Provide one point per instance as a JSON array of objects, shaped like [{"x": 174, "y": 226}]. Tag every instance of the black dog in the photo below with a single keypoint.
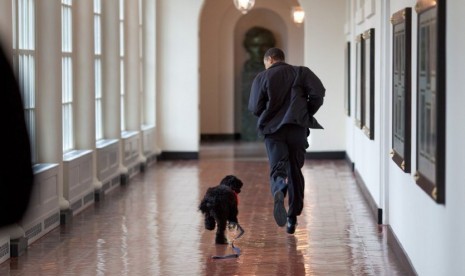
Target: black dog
[{"x": 219, "y": 206}]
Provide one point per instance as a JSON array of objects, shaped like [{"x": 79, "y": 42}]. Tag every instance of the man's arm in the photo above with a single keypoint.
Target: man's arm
[
  {"x": 315, "y": 89},
  {"x": 312, "y": 83},
  {"x": 258, "y": 98}
]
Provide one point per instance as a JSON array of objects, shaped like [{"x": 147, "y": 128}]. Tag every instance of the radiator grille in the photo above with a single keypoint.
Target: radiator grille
[
  {"x": 106, "y": 186},
  {"x": 55, "y": 218},
  {"x": 88, "y": 198},
  {"x": 4, "y": 250},
  {"x": 34, "y": 231},
  {"x": 76, "y": 205},
  {"x": 115, "y": 181}
]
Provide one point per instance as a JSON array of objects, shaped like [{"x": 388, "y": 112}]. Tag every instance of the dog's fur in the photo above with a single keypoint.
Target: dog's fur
[{"x": 219, "y": 206}]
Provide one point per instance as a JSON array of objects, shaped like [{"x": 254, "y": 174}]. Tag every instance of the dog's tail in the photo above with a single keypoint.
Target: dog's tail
[
  {"x": 206, "y": 205},
  {"x": 203, "y": 207}
]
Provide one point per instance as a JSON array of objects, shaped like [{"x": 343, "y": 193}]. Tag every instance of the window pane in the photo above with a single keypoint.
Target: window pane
[
  {"x": 121, "y": 40},
  {"x": 98, "y": 70},
  {"x": 67, "y": 75},
  {"x": 97, "y": 6},
  {"x": 24, "y": 62},
  {"x": 121, "y": 9},
  {"x": 98, "y": 78},
  {"x": 123, "y": 123},
  {"x": 97, "y": 34},
  {"x": 31, "y": 32},
  {"x": 98, "y": 99},
  {"x": 98, "y": 120}
]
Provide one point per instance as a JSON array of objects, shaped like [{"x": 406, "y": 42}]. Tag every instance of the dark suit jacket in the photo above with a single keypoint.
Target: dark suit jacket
[{"x": 286, "y": 94}]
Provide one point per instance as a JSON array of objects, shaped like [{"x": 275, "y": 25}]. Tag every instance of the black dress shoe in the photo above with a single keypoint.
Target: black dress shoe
[
  {"x": 291, "y": 224},
  {"x": 279, "y": 210}
]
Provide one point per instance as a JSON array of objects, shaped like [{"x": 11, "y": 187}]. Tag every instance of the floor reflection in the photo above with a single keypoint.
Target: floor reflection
[{"x": 152, "y": 226}]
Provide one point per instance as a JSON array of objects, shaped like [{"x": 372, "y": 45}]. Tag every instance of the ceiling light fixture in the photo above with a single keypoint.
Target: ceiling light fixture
[
  {"x": 244, "y": 5},
  {"x": 298, "y": 15}
]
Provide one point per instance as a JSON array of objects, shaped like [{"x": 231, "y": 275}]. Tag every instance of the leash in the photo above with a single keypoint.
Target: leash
[{"x": 237, "y": 250}]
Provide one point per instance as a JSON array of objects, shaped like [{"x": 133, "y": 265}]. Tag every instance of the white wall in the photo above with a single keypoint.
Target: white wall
[
  {"x": 431, "y": 234},
  {"x": 324, "y": 55},
  {"x": 455, "y": 178},
  {"x": 349, "y": 119},
  {"x": 365, "y": 153},
  {"x": 222, "y": 55},
  {"x": 178, "y": 75},
  {"x": 217, "y": 21},
  {"x": 322, "y": 50}
]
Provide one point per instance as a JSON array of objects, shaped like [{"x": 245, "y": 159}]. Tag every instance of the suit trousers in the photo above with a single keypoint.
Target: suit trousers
[{"x": 286, "y": 155}]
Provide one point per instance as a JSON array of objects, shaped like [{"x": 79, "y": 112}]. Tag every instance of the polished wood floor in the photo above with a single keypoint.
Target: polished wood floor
[{"x": 151, "y": 226}]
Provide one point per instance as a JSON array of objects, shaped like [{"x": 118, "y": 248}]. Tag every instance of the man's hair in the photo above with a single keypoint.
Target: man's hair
[{"x": 275, "y": 53}]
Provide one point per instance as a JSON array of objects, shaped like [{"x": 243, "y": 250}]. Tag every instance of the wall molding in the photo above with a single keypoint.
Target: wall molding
[
  {"x": 220, "y": 137},
  {"x": 349, "y": 162},
  {"x": 399, "y": 251},
  {"x": 375, "y": 210},
  {"x": 178, "y": 155},
  {"x": 324, "y": 155},
  {"x": 320, "y": 155},
  {"x": 377, "y": 213}
]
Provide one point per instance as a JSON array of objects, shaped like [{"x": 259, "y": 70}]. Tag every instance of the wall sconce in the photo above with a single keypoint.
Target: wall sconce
[
  {"x": 244, "y": 5},
  {"x": 298, "y": 15}
]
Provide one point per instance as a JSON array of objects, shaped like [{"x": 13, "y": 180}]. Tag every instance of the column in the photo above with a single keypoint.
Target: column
[
  {"x": 6, "y": 27},
  {"x": 131, "y": 56},
  {"x": 48, "y": 74},
  {"x": 111, "y": 75},
  {"x": 111, "y": 69},
  {"x": 84, "y": 77}
]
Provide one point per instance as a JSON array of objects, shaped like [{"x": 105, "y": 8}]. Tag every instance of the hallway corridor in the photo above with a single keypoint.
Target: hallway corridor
[{"x": 151, "y": 226}]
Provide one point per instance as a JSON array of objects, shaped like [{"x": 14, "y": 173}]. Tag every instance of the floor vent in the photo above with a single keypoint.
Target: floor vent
[
  {"x": 4, "y": 250},
  {"x": 106, "y": 186},
  {"x": 55, "y": 218},
  {"x": 88, "y": 198},
  {"x": 34, "y": 231},
  {"x": 76, "y": 205},
  {"x": 115, "y": 181}
]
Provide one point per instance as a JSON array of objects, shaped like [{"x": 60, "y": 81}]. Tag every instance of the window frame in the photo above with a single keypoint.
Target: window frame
[
  {"x": 24, "y": 64},
  {"x": 67, "y": 75}
]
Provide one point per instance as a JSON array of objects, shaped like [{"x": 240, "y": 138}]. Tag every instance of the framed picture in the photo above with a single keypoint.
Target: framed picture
[
  {"x": 431, "y": 98},
  {"x": 359, "y": 80},
  {"x": 401, "y": 87},
  {"x": 347, "y": 80},
  {"x": 368, "y": 91}
]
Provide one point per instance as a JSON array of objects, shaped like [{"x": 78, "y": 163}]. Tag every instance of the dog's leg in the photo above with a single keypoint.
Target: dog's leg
[
  {"x": 220, "y": 236},
  {"x": 233, "y": 212},
  {"x": 209, "y": 222}
]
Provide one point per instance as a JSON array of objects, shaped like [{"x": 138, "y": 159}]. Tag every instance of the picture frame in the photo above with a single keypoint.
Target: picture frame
[
  {"x": 431, "y": 98},
  {"x": 368, "y": 91},
  {"x": 401, "y": 88},
  {"x": 347, "y": 80},
  {"x": 359, "y": 80}
]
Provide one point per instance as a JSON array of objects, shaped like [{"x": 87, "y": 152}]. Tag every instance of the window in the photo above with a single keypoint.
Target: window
[
  {"x": 122, "y": 90},
  {"x": 141, "y": 63},
  {"x": 67, "y": 74},
  {"x": 24, "y": 63},
  {"x": 98, "y": 69}
]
